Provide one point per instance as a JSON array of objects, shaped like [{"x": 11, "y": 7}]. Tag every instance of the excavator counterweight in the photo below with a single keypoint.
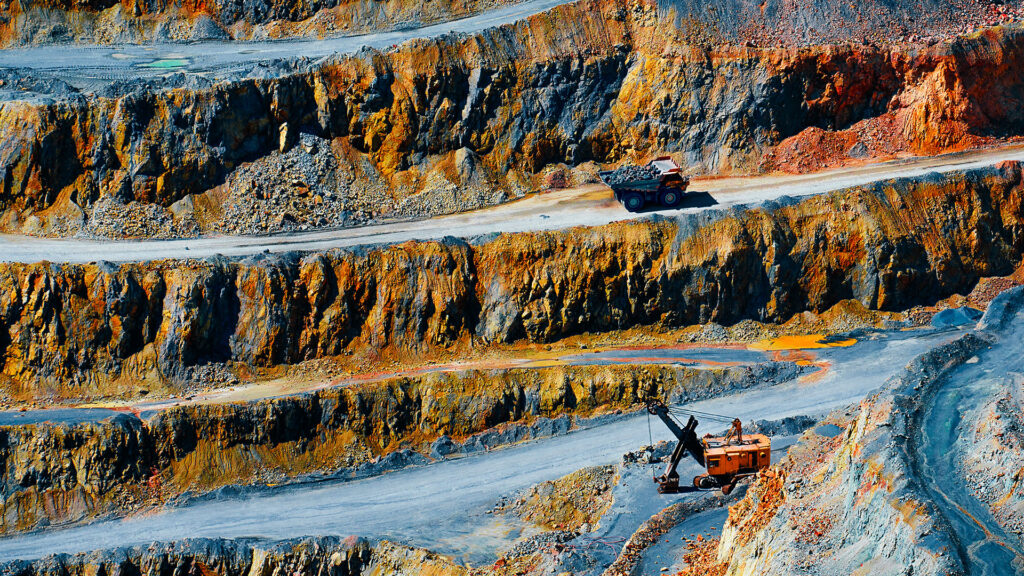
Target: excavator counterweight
[{"x": 726, "y": 459}]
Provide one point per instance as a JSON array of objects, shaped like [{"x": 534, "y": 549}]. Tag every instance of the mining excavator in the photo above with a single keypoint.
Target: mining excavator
[{"x": 726, "y": 459}]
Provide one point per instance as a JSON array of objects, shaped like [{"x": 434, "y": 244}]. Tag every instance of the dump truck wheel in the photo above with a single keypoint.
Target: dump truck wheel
[
  {"x": 633, "y": 201},
  {"x": 670, "y": 198}
]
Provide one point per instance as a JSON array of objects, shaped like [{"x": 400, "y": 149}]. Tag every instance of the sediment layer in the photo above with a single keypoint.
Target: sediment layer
[
  {"x": 852, "y": 502},
  {"x": 24, "y": 22}
]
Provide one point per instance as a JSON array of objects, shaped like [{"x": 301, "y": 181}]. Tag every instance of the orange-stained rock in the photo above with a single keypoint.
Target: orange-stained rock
[
  {"x": 82, "y": 330},
  {"x": 124, "y": 464}
]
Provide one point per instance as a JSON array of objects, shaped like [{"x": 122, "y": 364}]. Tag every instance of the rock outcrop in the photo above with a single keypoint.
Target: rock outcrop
[
  {"x": 988, "y": 431},
  {"x": 320, "y": 556},
  {"x": 123, "y": 21},
  {"x": 448, "y": 124},
  {"x": 991, "y": 452},
  {"x": 788, "y": 23}
]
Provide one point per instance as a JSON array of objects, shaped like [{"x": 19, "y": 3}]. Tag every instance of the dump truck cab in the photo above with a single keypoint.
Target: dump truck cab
[{"x": 661, "y": 181}]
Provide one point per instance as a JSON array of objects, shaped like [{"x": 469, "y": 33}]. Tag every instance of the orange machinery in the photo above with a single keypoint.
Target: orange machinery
[{"x": 726, "y": 459}]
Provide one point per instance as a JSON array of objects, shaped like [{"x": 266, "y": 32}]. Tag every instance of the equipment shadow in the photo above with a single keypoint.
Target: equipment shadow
[
  {"x": 689, "y": 490},
  {"x": 690, "y": 200}
]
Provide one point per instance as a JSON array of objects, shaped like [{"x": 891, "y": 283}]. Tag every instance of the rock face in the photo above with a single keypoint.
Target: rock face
[
  {"x": 991, "y": 454},
  {"x": 76, "y": 470},
  {"x": 987, "y": 438},
  {"x": 575, "y": 502},
  {"x": 445, "y": 125},
  {"x": 79, "y": 330},
  {"x": 57, "y": 474},
  {"x": 819, "y": 21},
  {"x": 854, "y": 502}
]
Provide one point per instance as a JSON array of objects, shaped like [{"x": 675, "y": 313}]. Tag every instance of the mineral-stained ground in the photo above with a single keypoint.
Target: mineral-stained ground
[{"x": 398, "y": 325}]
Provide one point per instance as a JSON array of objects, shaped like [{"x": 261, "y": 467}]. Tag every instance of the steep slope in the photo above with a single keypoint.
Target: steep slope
[
  {"x": 55, "y": 474},
  {"x": 853, "y": 503}
]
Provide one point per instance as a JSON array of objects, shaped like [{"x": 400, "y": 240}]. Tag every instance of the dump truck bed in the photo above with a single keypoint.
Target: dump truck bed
[
  {"x": 618, "y": 186},
  {"x": 658, "y": 182},
  {"x": 647, "y": 177}
]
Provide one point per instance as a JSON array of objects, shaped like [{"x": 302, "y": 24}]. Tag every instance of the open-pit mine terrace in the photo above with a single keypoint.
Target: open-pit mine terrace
[
  {"x": 336, "y": 306},
  {"x": 445, "y": 505},
  {"x": 592, "y": 205},
  {"x": 88, "y": 67}
]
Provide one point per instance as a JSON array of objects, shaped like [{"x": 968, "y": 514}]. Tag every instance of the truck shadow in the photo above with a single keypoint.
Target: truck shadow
[{"x": 690, "y": 200}]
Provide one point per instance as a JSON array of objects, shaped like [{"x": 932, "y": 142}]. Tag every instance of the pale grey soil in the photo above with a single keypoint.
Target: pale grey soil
[{"x": 93, "y": 67}]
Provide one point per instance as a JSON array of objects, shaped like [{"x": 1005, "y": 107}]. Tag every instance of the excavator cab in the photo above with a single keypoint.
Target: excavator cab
[{"x": 726, "y": 459}]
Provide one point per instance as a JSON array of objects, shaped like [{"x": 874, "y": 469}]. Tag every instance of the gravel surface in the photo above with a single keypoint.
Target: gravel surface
[{"x": 94, "y": 68}]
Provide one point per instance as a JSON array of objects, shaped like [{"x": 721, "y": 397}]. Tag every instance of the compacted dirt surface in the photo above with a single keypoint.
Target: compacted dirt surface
[
  {"x": 93, "y": 66},
  {"x": 333, "y": 288}
]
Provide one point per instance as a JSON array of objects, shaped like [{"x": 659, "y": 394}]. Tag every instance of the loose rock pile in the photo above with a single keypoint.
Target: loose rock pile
[
  {"x": 300, "y": 189},
  {"x": 631, "y": 173},
  {"x": 572, "y": 502}
]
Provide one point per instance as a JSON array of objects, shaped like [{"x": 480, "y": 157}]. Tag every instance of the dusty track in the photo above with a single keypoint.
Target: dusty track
[
  {"x": 587, "y": 206},
  {"x": 92, "y": 66},
  {"x": 699, "y": 357}
]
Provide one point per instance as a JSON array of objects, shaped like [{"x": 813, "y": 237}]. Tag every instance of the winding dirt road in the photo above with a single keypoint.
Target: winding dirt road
[
  {"x": 88, "y": 67},
  {"x": 587, "y": 206},
  {"x": 985, "y": 547}
]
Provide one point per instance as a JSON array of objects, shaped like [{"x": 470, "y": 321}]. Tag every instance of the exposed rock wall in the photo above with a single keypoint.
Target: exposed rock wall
[
  {"x": 991, "y": 456},
  {"x": 56, "y": 474},
  {"x": 816, "y": 21},
  {"x": 119, "y": 21},
  {"x": 789, "y": 23},
  {"x": 79, "y": 330},
  {"x": 320, "y": 556},
  {"x": 853, "y": 503},
  {"x": 988, "y": 449},
  {"x": 438, "y": 126}
]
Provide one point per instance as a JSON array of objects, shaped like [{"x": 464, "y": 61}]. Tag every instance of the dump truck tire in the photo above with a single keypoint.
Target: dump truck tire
[
  {"x": 633, "y": 201},
  {"x": 670, "y": 198}
]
